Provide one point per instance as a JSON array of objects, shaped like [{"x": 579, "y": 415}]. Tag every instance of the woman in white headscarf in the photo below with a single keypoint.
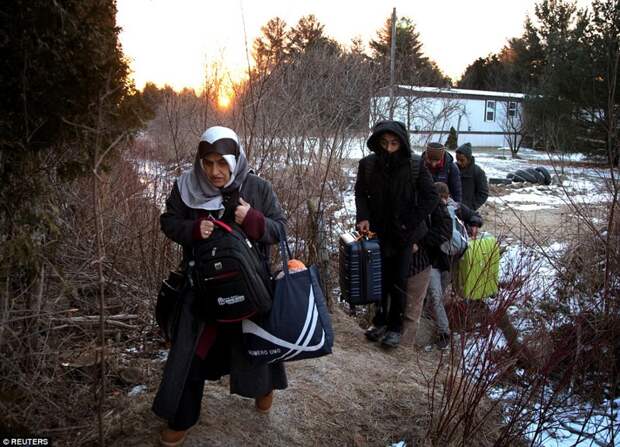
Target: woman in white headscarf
[{"x": 218, "y": 185}]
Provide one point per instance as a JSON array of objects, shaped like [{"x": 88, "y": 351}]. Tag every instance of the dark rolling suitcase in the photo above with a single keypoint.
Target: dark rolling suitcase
[{"x": 360, "y": 269}]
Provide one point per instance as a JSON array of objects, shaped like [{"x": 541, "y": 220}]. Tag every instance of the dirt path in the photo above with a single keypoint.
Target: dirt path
[{"x": 360, "y": 395}]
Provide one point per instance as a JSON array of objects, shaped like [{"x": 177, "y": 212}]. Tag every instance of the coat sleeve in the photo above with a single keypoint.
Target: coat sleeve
[
  {"x": 275, "y": 222},
  {"x": 361, "y": 195},
  {"x": 175, "y": 222},
  {"x": 481, "y": 187},
  {"x": 454, "y": 183},
  {"x": 441, "y": 227},
  {"x": 469, "y": 216}
]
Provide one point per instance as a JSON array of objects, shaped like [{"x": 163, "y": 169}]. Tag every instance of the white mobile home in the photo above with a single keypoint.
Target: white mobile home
[{"x": 483, "y": 118}]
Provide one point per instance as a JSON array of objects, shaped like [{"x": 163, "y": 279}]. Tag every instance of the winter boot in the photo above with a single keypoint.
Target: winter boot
[
  {"x": 172, "y": 438},
  {"x": 444, "y": 342},
  {"x": 391, "y": 339},
  {"x": 263, "y": 403},
  {"x": 375, "y": 333}
]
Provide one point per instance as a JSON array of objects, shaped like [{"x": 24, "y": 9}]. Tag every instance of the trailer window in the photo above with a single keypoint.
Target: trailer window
[{"x": 489, "y": 111}]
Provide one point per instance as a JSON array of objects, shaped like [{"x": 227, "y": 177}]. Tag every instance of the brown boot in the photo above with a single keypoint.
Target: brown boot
[
  {"x": 172, "y": 438},
  {"x": 263, "y": 403}
]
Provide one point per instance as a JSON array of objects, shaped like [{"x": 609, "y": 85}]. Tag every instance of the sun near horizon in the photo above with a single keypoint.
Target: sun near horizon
[{"x": 224, "y": 99}]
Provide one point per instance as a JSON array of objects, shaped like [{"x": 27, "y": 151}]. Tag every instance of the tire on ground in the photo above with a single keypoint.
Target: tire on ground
[
  {"x": 500, "y": 181},
  {"x": 526, "y": 176},
  {"x": 545, "y": 174},
  {"x": 540, "y": 179}
]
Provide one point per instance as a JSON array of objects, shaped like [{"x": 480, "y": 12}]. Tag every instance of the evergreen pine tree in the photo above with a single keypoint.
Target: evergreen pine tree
[
  {"x": 412, "y": 66},
  {"x": 451, "y": 142}
]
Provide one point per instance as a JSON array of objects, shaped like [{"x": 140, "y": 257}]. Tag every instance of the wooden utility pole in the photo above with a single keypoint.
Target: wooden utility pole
[{"x": 392, "y": 62}]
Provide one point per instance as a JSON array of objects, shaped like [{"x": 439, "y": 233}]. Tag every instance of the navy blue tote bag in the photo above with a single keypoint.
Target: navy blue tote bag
[{"x": 298, "y": 325}]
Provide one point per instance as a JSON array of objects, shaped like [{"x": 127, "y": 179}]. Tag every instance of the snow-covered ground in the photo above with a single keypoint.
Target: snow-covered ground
[{"x": 579, "y": 185}]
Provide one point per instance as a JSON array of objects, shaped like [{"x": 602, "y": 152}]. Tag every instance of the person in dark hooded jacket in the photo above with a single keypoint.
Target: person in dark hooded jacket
[
  {"x": 443, "y": 168},
  {"x": 394, "y": 194},
  {"x": 220, "y": 186},
  {"x": 473, "y": 179}
]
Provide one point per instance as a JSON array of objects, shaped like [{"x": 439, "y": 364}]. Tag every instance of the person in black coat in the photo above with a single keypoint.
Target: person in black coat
[
  {"x": 443, "y": 168},
  {"x": 220, "y": 186},
  {"x": 394, "y": 194},
  {"x": 473, "y": 178}
]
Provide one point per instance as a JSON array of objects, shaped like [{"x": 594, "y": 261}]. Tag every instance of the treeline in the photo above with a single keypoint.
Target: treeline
[
  {"x": 566, "y": 61},
  {"x": 69, "y": 216},
  {"x": 302, "y": 82}
]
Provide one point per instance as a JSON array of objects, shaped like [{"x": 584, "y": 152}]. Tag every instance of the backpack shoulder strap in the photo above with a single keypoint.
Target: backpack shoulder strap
[
  {"x": 370, "y": 165},
  {"x": 414, "y": 165},
  {"x": 369, "y": 168}
]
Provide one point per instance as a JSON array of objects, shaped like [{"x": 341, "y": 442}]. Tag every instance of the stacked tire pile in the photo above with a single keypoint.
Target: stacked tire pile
[{"x": 536, "y": 176}]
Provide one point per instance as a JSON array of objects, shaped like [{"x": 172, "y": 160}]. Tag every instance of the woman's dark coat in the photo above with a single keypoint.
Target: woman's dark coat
[
  {"x": 387, "y": 196},
  {"x": 225, "y": 356}
]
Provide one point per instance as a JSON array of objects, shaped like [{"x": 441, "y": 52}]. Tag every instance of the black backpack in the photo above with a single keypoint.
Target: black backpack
[{"x": 230, "y": 279}]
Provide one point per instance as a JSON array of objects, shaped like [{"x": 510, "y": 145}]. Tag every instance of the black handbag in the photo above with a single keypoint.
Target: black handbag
[{"x": 169, "y": 303}]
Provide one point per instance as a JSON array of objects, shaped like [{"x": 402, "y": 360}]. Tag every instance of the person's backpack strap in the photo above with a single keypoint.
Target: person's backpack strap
[
  {"x": 414, "y": 165},
  {"x": 369, "y": 168}
]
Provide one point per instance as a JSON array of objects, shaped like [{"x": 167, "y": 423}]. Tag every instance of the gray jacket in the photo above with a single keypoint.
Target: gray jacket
[{"x": 473, "y": 180}]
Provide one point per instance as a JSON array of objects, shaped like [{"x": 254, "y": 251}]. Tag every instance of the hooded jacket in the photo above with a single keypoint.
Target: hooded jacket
[
  {"x": 473, "y": 180},
  {"x": 386, "y": 194}
]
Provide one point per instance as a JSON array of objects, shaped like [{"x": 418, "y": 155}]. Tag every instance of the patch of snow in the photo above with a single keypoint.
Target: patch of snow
[
  {"x": 355, "y": 148},
  {"x": 532, "y": 207},
  {"x": 137, "y": 390},
  {"x": 162, "y": 355}
]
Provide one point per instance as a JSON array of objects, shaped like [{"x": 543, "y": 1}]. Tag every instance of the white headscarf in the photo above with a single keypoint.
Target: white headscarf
[{"x": 196, "y": 190}]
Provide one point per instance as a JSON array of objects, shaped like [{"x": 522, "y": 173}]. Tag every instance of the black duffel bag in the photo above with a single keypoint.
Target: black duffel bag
[
  {"x": 169, "y": 303},
  {"x": 230, "y": 279}
]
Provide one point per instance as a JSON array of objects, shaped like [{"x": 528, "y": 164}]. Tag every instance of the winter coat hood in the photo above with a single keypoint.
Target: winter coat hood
[
  {"x": 395, "y": 127},
  {"x": 465, "y": 149}
]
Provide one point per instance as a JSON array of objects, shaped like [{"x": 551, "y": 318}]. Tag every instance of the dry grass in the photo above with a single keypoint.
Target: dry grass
[{"x": 360, "y": 395}]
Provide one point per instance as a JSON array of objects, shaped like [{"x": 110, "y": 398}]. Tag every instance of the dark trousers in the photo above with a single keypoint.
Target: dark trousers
[
  {"x": 395, "y": 271},
  {"x": 188, "y": 411}
]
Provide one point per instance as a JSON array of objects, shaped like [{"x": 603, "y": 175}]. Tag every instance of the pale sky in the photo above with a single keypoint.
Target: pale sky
[{"x": 171, "y": 41}]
